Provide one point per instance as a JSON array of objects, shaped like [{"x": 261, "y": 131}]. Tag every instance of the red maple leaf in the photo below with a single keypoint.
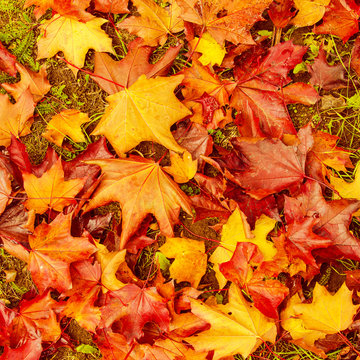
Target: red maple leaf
[
  {"x": 132, "y": 307},
  {"x": 261, "y": 93}
]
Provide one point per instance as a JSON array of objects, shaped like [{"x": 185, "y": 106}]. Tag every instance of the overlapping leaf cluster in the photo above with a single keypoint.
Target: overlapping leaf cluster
[{"x": 270, "y": 187}]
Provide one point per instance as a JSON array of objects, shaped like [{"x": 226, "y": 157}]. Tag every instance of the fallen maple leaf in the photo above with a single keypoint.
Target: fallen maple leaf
[
  {"x": 110, "y": 262},
  {"x": 334, "y": 219},
  {"x": 112, "y": 6},
  {"x": 195, "y": 139},
  {"x": 113, "y": 346},
  {"x": 238, "y": 230},
  {"x": 7, "y": 61},
  {"x": 5, "y": 189},
  {"x": 50, "y": 191},
  {"x": 141, "y": 187},
  {"x": 325, "y": 150},
  {"x": 16, "y": 222},
  {"x": 236, "y": 327},
  {"x": 80, "y": 305},
  {"x": 165, "y": 349},
  {"x": 132, "y": 307},
  {"x": 200, "y": 80},
  {"x": 239, "y": 269},
  {"x": 260, "y": 94},
  {"x": 125, "y": 72},
  {"x": 310, "y": 12},
  {"x": 144, "y": 112},
  {"x": 190, "y": 259},
  {"x": 66, "y": 123},
  {"x": 37, "y": 83},
  {"x": 36, "y": 318},
  {"x": 281, "y": 12},
  {"x": 267, "y": 294},
  {"x": 347, "y": 190},
  {"x": 72, "y": 8},
  {"x": 232, "y": 25},
  {"x": 31, "y": 349},
  {"x": 326, "y": 76},
  {"x": 341, "y": 19},
  {"x": 53, "y": 249},
  {"x": 155, "y": 22},
  {"x": 80, "y": 38},
  {"x": 262, "y": 156},
  {"x": 251, "y": 207},
  {"x": 212, "y": 52},
  {"x": 243, "y": 269},
  {"x": 15, "y": 118},
  {"x": 182, "y": 169},
  {"x": 327, "y": 314}
]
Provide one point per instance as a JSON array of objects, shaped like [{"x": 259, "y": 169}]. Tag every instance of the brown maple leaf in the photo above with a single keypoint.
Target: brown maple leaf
[
  {"x": 141, "y": 187},
  {"x": 326, "y": 76}
]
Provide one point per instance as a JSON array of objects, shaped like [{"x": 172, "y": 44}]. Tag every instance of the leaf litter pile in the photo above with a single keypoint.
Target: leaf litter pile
[{"x": 179, "y": 179}]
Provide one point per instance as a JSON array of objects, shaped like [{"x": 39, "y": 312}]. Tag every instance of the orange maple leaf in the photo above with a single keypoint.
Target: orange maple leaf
[
  {"x": 155, "y": 22},
  {"x": 53, "y": 250},
  {"x": 15, "y": 118},
  {"x": 141, "y": 187},
  {"x": 37, "y": 316},
  {"x": 232, "y": 24},
  {"x": 50, "y": 190},
  {"x": 37, "y": 83}
]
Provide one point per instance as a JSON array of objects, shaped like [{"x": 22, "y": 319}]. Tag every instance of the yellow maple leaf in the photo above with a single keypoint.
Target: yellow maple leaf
[
  {"x": 237, "y": 230},
  {"x": 182, "y": 169},
  {"x": 212, "y": 52},
  {"x": 155, "y": 22},
  {"x": 74, "y": 38},
  {"x": 190, "y": 259},
  {"x": 50, "y": 191},
  {"x": 66, "y": 123},
  {"x": 310, "y": 12},
  {"x": 110, "y": 262},
  {"x": 327, "y": 314},
  {"x": 237, "y": 327},
  {"x": 144, "y": 112},
  {"x": 347, "y": 190}
]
